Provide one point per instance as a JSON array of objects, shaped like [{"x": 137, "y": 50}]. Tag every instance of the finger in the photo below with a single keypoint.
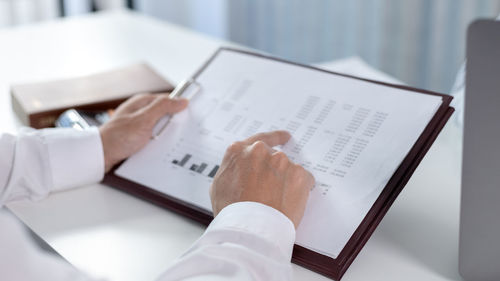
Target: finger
[
  {"x": 161, "y": 106},
  {"x": 279, "y": 160},
  {"x": 260, "y": 148},
  {"x": 273, "y": 138},
  {"x": 135, "y": 102},
  {"x": 234, "y": 149}
]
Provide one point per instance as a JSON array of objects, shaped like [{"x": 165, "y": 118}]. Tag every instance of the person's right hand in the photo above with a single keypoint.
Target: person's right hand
[{"x": 252, "y": 171}]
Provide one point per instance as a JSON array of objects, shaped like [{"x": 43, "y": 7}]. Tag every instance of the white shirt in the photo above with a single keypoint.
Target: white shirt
[{"x": 246, "y": 241}]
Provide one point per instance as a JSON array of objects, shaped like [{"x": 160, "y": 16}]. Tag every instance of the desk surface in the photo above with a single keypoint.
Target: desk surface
[{"x": 111, "y": 234}]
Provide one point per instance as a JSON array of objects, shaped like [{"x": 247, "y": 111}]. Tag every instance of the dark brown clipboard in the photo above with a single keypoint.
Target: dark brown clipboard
[{"x": 333, "y": 268}]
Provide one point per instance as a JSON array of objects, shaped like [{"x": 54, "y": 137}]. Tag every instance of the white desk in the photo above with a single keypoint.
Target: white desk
[{"x": 114, "y": 235}]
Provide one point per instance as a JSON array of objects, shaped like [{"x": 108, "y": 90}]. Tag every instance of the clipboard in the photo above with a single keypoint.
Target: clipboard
[{"x": 331, "y": 267}]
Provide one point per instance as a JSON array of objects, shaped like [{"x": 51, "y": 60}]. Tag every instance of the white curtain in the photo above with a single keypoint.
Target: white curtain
[
  {"x": 207, "y": 16},
  {"x": 75, "y": 7},
  {"x": 421, "y": 42},
  {"x": 17, "y": 12}
]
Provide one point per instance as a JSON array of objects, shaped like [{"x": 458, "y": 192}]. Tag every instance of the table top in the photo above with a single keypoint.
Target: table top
[{"x": 114, "y": 235}]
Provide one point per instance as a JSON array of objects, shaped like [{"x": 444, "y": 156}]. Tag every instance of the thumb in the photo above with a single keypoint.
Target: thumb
[{"x": 161, "y": 106}]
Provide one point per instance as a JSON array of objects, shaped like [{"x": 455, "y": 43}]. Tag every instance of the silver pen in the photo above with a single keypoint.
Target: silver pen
[{"x": 177, "y": 92}]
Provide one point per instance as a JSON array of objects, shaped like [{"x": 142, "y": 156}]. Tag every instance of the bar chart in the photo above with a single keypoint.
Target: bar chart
[{"x": 199, "y": 167}]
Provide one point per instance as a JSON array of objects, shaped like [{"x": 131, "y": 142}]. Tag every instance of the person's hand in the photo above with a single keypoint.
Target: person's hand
[
  {"x": 130, "y": 127},
  {"x": 252, "y": 171}
]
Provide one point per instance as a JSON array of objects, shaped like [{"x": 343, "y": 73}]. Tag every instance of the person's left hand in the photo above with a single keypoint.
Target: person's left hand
[{"x": 131, "y": 126}]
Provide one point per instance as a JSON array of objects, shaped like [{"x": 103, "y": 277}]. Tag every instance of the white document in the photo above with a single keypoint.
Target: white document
[{"x": 350, "y": 134}]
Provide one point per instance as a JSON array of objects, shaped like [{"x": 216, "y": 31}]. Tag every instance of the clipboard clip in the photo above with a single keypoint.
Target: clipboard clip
[{"x": 179, "y": 91}]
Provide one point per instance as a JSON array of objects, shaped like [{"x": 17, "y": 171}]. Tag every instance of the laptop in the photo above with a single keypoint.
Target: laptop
[{"x": 479, "y": 250}]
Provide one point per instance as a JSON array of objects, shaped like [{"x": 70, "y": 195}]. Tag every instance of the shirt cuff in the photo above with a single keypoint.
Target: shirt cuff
[
  {"x": 76, "y": 157},
  {"x": 260, "y": 220}
]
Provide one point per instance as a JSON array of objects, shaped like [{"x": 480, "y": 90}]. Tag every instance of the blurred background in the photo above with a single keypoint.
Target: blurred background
[{"x": 420, "y": 42}]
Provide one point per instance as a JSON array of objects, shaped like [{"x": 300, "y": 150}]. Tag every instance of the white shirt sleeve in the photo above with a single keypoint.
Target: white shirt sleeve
[
  {"x": 32, "y": 164},
  {"x": 39, "y": 161},
  {"x": 246, "y": 241}
]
